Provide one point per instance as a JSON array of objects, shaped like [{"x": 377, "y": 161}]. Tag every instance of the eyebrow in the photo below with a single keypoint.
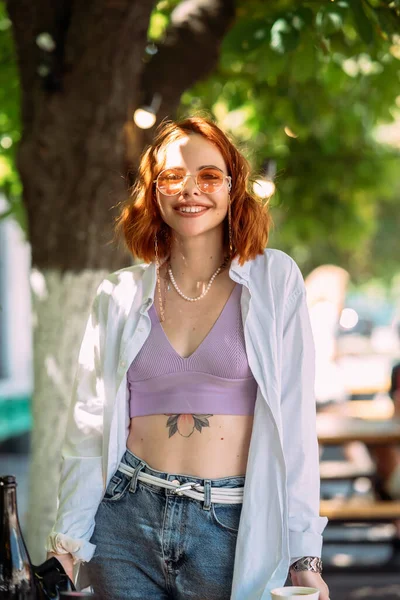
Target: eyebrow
[
  {"x": 208, "y": 166},
  {"x": 198, "y": 168}
]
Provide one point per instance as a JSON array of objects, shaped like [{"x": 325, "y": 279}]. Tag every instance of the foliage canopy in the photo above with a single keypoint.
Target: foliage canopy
[{"x": 304, "y": 85}]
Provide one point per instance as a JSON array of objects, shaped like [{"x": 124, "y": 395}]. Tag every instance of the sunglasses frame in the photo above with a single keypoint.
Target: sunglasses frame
[{"x": 195, "y": 175}]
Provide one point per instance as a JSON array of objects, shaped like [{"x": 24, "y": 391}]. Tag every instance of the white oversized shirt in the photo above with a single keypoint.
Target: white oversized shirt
[{"x": 280, "y": 514}]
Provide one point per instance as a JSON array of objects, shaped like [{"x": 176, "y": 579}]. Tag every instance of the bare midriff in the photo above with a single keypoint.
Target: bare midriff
[
  {"x": 206, "y": 446},
  {"x": 174, "y": 444}
]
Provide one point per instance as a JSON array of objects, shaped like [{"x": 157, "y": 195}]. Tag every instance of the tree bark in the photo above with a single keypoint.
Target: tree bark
[
  {"x": 78, "y": 145},
  {"x": 72, "y": 151},
  {"x": 61, "y": 305}
]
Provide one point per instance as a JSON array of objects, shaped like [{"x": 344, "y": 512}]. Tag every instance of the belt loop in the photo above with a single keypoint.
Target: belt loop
[
  {"x": 133, "y": 485},
  {"x": 207, "y": 494}
]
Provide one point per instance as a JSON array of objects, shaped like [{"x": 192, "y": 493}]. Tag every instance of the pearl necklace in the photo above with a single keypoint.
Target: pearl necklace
[{"x": 213, "y": 276}]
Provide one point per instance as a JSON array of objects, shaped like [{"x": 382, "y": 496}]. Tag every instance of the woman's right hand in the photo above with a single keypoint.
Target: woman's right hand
[{"x": 67, "y": 562}]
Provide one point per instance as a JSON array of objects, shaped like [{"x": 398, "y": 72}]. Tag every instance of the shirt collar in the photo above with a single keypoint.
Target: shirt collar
[
  {"x": 150, "y": 278},
  {"x": 242, "y": 271}
]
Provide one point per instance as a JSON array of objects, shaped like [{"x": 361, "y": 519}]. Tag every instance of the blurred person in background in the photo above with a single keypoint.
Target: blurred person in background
[
  {"x": 394, "y": 391},
  {"x": 387, "y": 458}
]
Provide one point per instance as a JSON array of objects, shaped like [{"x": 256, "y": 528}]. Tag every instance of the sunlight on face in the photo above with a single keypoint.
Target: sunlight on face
[{"x": 191, "y": 153}]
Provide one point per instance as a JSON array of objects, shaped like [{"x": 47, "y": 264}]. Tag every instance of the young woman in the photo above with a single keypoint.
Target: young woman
[{"x": 190, "y": 466}]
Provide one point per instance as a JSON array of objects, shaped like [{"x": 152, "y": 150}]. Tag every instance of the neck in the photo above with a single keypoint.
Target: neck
[{"x": 193, "y": 262}]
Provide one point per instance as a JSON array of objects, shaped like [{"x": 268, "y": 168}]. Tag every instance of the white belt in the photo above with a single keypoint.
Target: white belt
[{"x": 189, "y": 489}]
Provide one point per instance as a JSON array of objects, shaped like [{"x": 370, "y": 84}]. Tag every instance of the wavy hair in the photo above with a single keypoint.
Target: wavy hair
[{"x": 140, "y": 218}]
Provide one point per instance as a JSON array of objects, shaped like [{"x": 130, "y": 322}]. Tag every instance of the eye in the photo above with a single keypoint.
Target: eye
[
  {"x": 171, "y": 175},
  {"x": 211, "y": 177}
]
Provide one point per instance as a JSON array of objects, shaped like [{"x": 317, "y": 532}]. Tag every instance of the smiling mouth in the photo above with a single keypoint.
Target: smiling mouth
[{"x": 191, "y": 209}]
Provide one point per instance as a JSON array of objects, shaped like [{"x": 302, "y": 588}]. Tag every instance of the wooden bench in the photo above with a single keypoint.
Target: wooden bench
[
  {"x": 361, "y": 513},
  {"x": 359, "y": 510},
  {"x": 337, "y": 470}
]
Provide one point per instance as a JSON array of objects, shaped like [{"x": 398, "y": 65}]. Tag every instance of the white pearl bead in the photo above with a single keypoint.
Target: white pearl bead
[{"x": 201, "y": 295}]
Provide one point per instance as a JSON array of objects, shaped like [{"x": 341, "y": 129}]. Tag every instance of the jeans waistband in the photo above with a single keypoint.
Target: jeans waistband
[{"x": 132, "y": 460}]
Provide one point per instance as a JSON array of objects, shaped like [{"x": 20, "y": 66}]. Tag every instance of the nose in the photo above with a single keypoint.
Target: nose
[{"x": 189, "y": 185}]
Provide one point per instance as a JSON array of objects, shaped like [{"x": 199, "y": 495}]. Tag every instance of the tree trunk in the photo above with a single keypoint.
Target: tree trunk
[
  {"x": 78, "y": 145},
  {"x": 61, "y": 304}
]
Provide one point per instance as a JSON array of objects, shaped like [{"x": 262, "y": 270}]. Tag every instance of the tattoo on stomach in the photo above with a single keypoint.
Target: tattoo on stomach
[{"x": 186, "y": 424}]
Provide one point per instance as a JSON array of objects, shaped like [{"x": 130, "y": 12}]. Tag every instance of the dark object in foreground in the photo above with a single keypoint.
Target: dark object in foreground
[
  {"x": 52, "y": 580},
  {"x": 19, "y": 579}
]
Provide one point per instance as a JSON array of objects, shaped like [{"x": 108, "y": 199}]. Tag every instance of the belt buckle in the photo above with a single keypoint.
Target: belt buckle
[{"x": 185, "y": 487}]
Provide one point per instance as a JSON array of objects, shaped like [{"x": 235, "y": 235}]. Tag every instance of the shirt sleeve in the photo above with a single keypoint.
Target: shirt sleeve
[
  {"x": 299, "y": 425},
  {"x": 81, "y": 484}
]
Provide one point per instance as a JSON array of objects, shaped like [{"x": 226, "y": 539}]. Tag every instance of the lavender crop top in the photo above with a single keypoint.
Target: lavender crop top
[{"x": 215, "y": 379}]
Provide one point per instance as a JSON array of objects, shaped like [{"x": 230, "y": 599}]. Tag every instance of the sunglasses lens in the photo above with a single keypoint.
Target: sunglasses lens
[
  {"x": 210, "y": 180},
  {"x": 169, "y": 182}
]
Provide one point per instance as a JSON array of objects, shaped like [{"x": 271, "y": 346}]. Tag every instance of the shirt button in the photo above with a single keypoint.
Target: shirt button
[
  {"x": 122, "y": 363},
  {"x": 140, "y": 329}
]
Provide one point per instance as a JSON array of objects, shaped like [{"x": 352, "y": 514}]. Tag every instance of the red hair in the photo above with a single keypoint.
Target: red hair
[{"x": 140, "y": 218}]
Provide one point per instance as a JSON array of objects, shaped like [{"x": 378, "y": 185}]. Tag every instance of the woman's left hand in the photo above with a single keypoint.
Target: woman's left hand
[{"x": 310, "y": 579}]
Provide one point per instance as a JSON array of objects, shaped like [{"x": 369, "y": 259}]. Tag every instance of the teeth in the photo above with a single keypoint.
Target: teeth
[{"x": 192, "y": 209}]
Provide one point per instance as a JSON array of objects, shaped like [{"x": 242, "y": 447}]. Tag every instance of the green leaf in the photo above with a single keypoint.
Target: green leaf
[
  {"x": 388, "y": 21},
  {"x": 246, "y": 35},
  {"x": 284, "y": 37},
  {"x": 305, "y": 15},
  {"x": 270, "y": 66},
  {"x": 157, "y": 27},
  {"x": 304, "y": 62},
  {"x": 361, "y": 21},
  {"x": 330, "y": 19}
]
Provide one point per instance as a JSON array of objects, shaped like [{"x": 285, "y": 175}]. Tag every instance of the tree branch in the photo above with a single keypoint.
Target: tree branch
[{"x": 190, "y": 50}]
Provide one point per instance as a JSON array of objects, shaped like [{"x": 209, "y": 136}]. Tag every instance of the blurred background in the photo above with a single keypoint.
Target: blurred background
[{"x": 310, "y": 92}]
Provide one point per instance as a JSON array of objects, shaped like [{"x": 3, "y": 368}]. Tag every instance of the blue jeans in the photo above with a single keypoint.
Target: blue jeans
[{"x": 154, "y": 545}]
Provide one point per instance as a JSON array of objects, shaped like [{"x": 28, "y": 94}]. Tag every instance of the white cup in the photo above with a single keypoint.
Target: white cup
[{"x": 295, "y": 593}]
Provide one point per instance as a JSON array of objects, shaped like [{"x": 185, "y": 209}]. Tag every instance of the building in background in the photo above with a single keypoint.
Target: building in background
[{"x": 16, "y": 363}]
